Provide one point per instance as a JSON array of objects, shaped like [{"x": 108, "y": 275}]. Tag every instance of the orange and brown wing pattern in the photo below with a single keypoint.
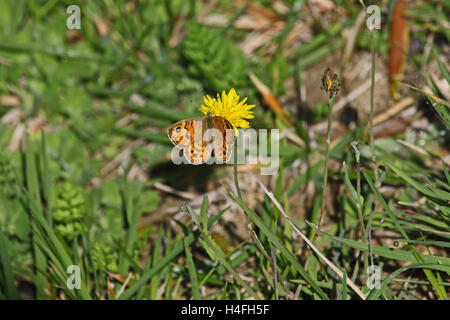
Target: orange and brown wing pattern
[
  {"x": 198, "y": 153},
  {"x": 188, "y": 135},
  {"x": 223, "y": 148},
  {"x": 180, "y": 133}
]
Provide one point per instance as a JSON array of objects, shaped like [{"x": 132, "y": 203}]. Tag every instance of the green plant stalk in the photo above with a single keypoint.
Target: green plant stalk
[
  {"x": 359, "y": 206},
  {"x": 327, "y": 157},
  {"x": 372, "y": 89},
  {"x": 372, "y": 142},
  {"x": 236, "y": 181}
]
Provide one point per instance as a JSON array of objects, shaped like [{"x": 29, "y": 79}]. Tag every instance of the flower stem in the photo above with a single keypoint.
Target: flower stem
[
  {"x": 236, "y": 181},
  {"x": 327, "y": 156},
  {"x": 358, "y": 200},
  {"x": 372, "y": 88}
]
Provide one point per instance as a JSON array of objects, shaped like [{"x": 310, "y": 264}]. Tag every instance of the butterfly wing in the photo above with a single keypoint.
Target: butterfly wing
[
  {"x": 223, "y": 148},
  {"x": 179, "y": 133},
  {"x": 198, "y": 153},
  {"x": 188, "y": 135}
]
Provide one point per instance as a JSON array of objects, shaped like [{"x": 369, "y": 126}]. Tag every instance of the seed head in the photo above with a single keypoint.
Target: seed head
[{"x": 330, "y": 82}]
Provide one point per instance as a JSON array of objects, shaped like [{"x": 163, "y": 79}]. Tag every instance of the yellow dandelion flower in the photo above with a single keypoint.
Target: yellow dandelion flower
[{"x": 229, "y": 107}]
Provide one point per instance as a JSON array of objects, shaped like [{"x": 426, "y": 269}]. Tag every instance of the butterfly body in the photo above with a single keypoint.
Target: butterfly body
[{"x": 202, "y": 137}]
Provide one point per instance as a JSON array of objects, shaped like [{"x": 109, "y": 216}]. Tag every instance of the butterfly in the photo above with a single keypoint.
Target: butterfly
[{"x": 202, "y": 137}]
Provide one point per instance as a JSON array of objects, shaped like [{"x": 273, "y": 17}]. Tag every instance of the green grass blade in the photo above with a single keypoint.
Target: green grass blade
[
  {"x": 163, "y": 262},
  {"x": 40, "y": 260},
  {"x": 275, "y": 241},
  {"x": 204, "y": 214},
  {"x": 46, "y": 191},
  {"x": 132, "y": 218},
  {"x": 396, "y": 254},
  {"x": 344, "y": 286},
  {"x": 375, "y": 293},
  {"x": 6, "y": 267},
  {"x": 156, "y": 253},
  {"x": 440, "y": 64},
  {"x": 431, "y": 192},
  {"x": 192, "y": 271}
]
